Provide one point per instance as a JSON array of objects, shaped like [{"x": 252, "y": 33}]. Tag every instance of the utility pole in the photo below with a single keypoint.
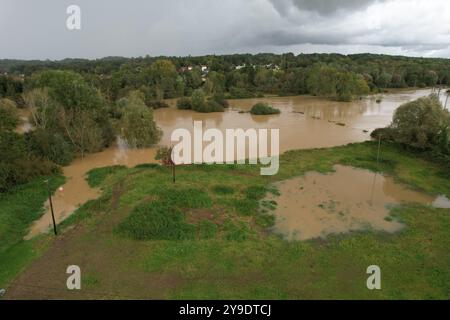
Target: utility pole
[
  {"x": 51, "y": 205},
  {"x": 378, "y": 153},
  {"x": 173, "y": 164}
]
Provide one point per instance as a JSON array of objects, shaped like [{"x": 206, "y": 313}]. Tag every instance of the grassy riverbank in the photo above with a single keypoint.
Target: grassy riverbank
[
  {"x": 207, "y": 236},
  {"x": 18, "y": 209}
]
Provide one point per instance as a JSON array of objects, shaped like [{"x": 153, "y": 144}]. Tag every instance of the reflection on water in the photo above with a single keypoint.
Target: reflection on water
[
  {"x": 304, "y": 122},
  {"x": 348, "y": 199}
]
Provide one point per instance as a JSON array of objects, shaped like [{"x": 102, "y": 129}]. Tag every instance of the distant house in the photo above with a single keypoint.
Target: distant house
[
  {"x": 186, "y": 69},
  {"x": 272, "y": 66},
  {"x": 240, "y": 67},
  {"x": 204, "y": 69}
]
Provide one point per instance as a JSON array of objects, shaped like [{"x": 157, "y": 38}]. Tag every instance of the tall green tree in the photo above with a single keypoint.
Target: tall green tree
[
  {"x": 137, "y": 125},
  {"x": 9, "y": 117}
]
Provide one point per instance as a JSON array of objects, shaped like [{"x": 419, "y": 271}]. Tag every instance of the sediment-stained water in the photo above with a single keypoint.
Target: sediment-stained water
[
  {"x": 349, "y": 199},
  {"x": 76, "y": 190},
  {"x": 304, "y": 122}
]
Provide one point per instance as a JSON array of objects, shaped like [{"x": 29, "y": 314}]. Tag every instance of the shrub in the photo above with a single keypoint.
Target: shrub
[
  {"x": 186, "y": 198},
  {"x": 157, "y": 104},
  {"x": 23, "y": 171},
  {"x": 240, "y": 93},
  {"x": 255, "y": 192},
  {"x": 156, "y": 221},
  {"x": 9, "y": 117},
  {"x": 385, "y": 133},
  {"x": 184, "y": 103},
  {"x": 200, "y": 104},
  {"x": 263, "y": 109},
  {"x": 198, "y": 100},
  {"x": 213, "y": 106},
  {"x": 51, "y": 146},
  {"x": 220, "y": 99},
  {"x": 423, "y": 124}
]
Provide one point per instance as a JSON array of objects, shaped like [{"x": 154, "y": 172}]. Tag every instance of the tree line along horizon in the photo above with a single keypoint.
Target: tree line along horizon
[
  {"x": 335, "y": 76},
  {"x": 81, "y": 106}
]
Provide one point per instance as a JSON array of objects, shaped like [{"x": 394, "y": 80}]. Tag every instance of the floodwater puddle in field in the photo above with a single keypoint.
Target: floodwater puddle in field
[{"x": 349, "y": 199}]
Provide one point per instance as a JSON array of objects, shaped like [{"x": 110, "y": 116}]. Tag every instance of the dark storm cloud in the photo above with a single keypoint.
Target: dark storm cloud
[{"x": 322, "y": 7}]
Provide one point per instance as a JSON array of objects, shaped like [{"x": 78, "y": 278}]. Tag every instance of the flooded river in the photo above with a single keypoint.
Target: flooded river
[{"x": 304, "y": 122}]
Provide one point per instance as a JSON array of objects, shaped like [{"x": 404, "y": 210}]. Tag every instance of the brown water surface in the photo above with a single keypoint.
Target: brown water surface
[
  {"x": 76, "y": 190},
  {"x": 349, "y": 199}
]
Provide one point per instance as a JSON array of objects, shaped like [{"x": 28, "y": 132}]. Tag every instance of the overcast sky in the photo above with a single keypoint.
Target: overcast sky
[{"x": 36, "y": 29}]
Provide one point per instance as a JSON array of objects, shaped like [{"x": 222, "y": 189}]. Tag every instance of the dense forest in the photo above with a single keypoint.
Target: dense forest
[{"x": 336, "y": 76}]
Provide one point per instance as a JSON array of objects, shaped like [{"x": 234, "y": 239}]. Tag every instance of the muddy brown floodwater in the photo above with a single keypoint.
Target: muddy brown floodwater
[
  {"x": 76, "y": 190},
  {"x": 304, "y": 122},
  {"x": 349, "y": 199}
]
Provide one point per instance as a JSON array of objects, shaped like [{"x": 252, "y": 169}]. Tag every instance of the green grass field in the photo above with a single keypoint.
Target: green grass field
[
  {"x": 208, "y": 236},
  {"x": 18, "y": 209}
]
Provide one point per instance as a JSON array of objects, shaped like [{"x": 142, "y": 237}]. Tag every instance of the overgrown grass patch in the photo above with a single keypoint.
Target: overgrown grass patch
[
  {"x": 18, "y": 209},
  {"x": 96, "y": 176},
  {"x": 156, "y": 221}
]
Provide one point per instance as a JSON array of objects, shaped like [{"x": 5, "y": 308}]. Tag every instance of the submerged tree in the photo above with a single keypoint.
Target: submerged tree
[
  {"x": 423, "y": 124},
  {"x": 63, "y": 102},
  {"x": 138, "y": 128}
]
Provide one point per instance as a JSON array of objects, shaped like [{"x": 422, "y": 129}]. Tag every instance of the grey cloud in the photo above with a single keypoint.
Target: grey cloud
[
  {"x": 321, "y": 7},
  {"x": 36, "y": 29}
]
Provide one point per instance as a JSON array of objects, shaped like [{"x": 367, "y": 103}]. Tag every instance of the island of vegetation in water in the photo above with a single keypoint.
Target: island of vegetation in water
[{"x": 262, "y": 108}]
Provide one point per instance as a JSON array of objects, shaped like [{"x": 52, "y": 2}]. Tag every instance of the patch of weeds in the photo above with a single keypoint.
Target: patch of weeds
[
  {"x": 265, "y": 220},
  {"x": 236, "y": 231},
  {"x": 222, "y": 189},
  {"x": 96, "y": 176},
  {"x": 90, "y": 280},
  {"x": 246, "y": 207},
  {"x": 255, "y": 192},
  {"x": 186, "y": 198},
  {"x": 156, "y": 221},
  {"x": 207, "y": 229},
  {"x": 269, "y": 204},
  {"x": 273, "y": 190}
]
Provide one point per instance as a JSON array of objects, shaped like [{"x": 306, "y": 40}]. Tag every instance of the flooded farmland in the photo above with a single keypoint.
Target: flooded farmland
[{"x": 304, "y": 122}]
